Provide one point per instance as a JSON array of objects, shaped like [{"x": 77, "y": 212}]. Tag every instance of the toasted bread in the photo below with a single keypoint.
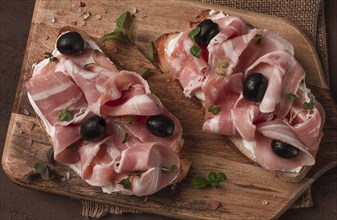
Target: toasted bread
[
  {"x": 184, "y": 163},
  {"x": 161, "y": 45}
]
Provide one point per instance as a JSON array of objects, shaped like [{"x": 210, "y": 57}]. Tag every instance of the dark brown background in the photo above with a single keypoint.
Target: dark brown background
[{"x": 21, "y": 203}]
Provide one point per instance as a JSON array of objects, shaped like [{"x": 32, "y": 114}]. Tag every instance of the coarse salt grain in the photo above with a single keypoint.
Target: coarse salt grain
[
  {"x": 265, "y": 202},
  {"x": 85, "y": 15}
]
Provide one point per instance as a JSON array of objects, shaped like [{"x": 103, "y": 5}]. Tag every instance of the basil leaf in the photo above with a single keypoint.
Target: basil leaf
[
  {"x": 258, "y": 38},
  {"x": 114, "y": 36},
  {"x": 65, "y": 115},
  {"x": 120, "y": 22},
  {"x": 131, "y": 119},
  {"x": 308, "y": 105},
  {"x": 195, "y": 51},
  {"x": 194, "y": 32},
  {"x": 125, "y": 183},
  {"x": 199, "y": 182},
  {"x": 291, "y": 96},
  {"x": 212, "y": 177},
  {"x": 144, "y": 72},
  {"x": 215, "y": 109},
  {"x": 43, "y": 170},
  {"x": 125, "y": 138}
]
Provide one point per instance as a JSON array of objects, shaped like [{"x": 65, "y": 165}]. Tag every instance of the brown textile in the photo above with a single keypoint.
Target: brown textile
[{"x": 309, "y": 16}]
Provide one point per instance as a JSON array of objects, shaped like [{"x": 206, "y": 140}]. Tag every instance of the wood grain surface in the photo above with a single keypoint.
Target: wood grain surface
[{"x": 248, "y": 186}]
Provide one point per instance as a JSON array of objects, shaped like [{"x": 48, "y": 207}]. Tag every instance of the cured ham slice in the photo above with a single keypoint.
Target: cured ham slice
[
  {"x": 241, "y": 57},
  {"x": 88, "y": 85}
]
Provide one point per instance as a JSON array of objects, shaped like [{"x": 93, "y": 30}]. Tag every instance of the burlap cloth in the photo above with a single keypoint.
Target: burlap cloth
[{"x": 309, "y": 16}]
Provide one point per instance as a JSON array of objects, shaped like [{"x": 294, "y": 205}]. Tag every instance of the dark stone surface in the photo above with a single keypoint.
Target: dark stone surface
[{"x": 22, "y": 203}]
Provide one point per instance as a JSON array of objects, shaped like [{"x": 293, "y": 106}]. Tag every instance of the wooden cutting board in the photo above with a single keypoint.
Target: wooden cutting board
[{"x": 249, "y": 192}]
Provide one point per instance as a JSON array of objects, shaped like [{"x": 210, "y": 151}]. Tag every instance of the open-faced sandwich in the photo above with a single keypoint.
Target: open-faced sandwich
[
  {"x": 251, "y": 88},
  {"x": 103, "y": 122}
]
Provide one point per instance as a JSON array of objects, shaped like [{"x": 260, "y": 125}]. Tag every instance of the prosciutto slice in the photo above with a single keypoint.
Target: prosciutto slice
[
  {"x": 236, "y": 52},
  {"x": 90, "y": 84}
]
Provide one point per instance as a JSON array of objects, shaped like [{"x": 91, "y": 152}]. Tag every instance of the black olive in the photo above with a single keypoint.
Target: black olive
[
  {"x": 70, "y": 43},
  {"x": 254, "y": 87},
  {"x": 284, "y": 150},
  {"x": 160, "y": 125},
  {"x": 93, "y": 128},
  {"x": 208, "y": 29}
]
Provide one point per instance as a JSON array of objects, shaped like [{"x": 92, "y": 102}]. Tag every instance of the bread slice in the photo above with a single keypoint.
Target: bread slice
[
  {"x": 184, "y": 163},
  {"x": 161, "y": 45}
]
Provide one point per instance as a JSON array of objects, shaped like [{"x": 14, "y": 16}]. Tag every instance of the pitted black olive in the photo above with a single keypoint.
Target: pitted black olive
[
  {"x": 160, "y": 125},
  {"x": 208, "y": 29},
  {"x": 70, "y": 43},
  {"x": 93, "y": 128},
  {"x": 284, "y": 150},
  {"x": 254, "y": 87}
]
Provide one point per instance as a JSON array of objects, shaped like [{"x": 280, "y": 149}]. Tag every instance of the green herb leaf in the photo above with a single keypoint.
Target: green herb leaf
[
  {"x": 114, "y": 36},
  {"x": 212, "y": 177},
  {"x": 65, "y": 115},
  {"x": 173, "y": 169},
  {"x": 134, "y": 174},
  {"x": 43, "y": 170},
  {"x": 144, "y": 72},
  {"x": 221, "y": 67},
  {"x": 194, "y": 32},
  {"x": 121, "y": 21},
  {"x": 199, "y": 182},
  {"x": 125, "y": 138},
  {"x": 131, "y": 119},
  {"x": 291, "y": 96},
  {"x": 215, "y": 109},
  {"x": 125, "y": 183},
  {"x": 195, "y": 51},
  {"x": 258, "y": 38},
  {"x": 308, "y": 105},
  {"x": 88, "y": 64},
  {"x": 123, "y": 30},
  {"x": 150, "y": 51}
]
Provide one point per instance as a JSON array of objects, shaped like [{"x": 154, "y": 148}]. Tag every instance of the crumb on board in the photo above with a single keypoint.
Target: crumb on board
[
  {"x": 25, "y": 111},
  {"x": 52, "y": 19},
  {"x": 18, "y": 124},
  {"x": 85, "y": 15},
  {"x": 47, "y": 37},
  {"x": 98, "y": 17},
  {"x": 30, "y": 125},
  {"x": 215, "y": 204},
  {"x": 265, "y": 202},
  {"x": 29, "y": 142}
]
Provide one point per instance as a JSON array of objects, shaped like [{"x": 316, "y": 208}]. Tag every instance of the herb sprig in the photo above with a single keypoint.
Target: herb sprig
[
  {"x": 215, "y": 109},
  {"x": 213, "y": 179},
  {"x": 45, "y": 171},
  {"x": 51, "y": 58},
  {"x": 195, "y": 49},
  {"x": 65, "y": 115},
  {"x": 306, "y": 106},
  {"x": 123, "y": 30}
]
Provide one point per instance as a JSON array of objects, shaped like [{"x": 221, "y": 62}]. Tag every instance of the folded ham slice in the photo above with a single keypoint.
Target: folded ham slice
[
  {"x": 90, "y": 84},
  {"x": 236, "y": 52}
]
